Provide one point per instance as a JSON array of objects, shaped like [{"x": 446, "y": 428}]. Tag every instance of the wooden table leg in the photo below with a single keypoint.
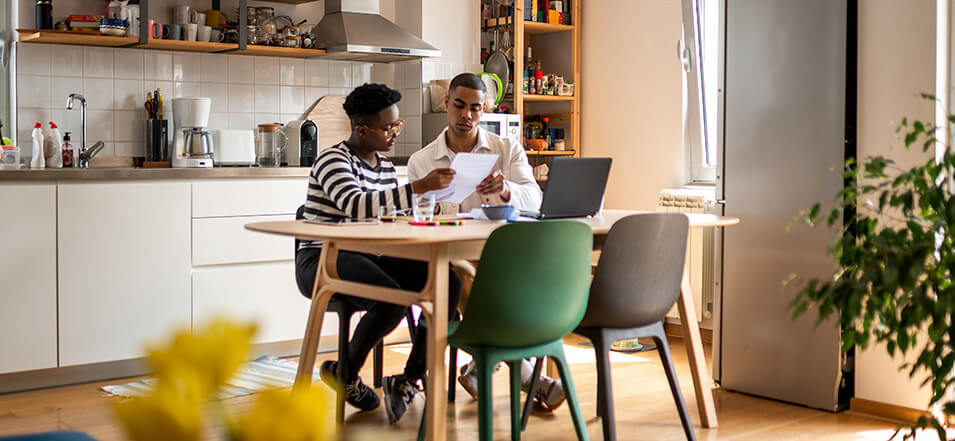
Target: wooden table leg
[
  {"x": 702, "y": 381},
  {"x": 435, "y": 383},
  {"x": 316, "y": 314}
]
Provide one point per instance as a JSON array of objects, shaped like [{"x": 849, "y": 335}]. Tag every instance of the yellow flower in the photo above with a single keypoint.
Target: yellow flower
[
  {"x": 161, "y": 416},
  {"x": 280, "y": 415},
  {"x": 214, "y": 354}
]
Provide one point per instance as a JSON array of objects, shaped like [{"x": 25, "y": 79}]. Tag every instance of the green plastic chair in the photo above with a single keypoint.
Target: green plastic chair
[{"x": 531, "y": 289}]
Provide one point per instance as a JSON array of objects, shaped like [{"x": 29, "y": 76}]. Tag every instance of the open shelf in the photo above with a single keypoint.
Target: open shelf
[
  {"x": 551, "y": 152},
  {"x": 492, "y": 22},
  {"x": 534, "y": 28},
  {"x": 547, "y": 98},
  {"x": 188, "y": 46},
  {"x": 70, "y": 37},
  {"x": 278, "y": 51}
]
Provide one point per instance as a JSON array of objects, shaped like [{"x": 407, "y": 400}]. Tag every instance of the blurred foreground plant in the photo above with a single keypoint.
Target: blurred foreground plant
[{"x": 192, "y": 367}]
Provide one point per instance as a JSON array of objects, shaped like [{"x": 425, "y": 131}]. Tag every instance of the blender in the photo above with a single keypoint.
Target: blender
[{"x": 192, "y": 145}]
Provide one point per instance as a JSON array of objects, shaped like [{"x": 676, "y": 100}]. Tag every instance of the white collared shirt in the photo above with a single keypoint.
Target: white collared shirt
[{"x": 511, "y": 161}]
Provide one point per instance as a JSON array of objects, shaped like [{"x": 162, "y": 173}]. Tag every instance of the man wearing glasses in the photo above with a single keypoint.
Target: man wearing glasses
[
  {"x": 352, "y": 180},
  {"x": 512, "y": 182}
]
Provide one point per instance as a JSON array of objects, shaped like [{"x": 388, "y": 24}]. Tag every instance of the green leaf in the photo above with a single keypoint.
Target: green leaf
[{"x": 813, "y": 213}]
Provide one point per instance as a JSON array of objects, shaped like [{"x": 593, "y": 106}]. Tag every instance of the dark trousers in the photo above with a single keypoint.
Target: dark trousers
[{"x": 381, "y": 318}]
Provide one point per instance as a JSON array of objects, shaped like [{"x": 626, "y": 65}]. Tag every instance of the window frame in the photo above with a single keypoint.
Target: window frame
[{"x": 702, "y": 124}]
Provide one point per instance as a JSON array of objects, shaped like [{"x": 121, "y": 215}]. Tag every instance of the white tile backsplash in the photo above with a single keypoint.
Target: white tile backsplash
[
  {"x": 266, "y": 99},
  {"x": 339, "y": 74},
  {"x": 34, "y": 91},
  {"x": 34, "y": 59},
  {"x": 245, "y": 90},
  {"x": 129, "y": 64},
  {"x": 267, "y": 70},
  {"x": 98, "y": 93},
  {"x": 291, "y": 99},
  {"x": 316, "y": 73},
  {"x": 215, "y": 68},
  {"x": 241, "y": 69},
  {"x": 98, "y": 62},
  {"x": 186, "y": 67},
  {"x": 219, "y": 93},
  {"x": 158, "y": 65},
  {"x": 67, "y": 61},
  {"x": 292, "y": 72},
  {"x": 129, "y": 94}
]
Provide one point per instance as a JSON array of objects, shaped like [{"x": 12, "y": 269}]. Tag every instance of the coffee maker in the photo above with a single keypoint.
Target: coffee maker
[
  {"x": 192, "y": 145},
  {"x": 302, "y": 149}
]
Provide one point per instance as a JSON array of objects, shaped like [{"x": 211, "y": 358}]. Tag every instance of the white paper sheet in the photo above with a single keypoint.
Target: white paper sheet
[{"x": 470, "y": 169}]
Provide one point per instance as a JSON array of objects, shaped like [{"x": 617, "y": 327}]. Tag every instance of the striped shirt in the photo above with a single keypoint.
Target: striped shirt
[{"x": 342, "y": 186}]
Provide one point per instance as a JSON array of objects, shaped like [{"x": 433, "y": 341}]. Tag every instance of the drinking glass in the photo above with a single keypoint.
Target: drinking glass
[{"x": 424, "y": 208}]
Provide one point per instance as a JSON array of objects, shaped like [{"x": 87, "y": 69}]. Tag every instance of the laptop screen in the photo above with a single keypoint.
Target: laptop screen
[{"x": 575, "y": 187}]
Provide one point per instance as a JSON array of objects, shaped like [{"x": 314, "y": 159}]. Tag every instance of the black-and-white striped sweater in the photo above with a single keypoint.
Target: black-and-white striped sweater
[{"x": 341, "y": 185}]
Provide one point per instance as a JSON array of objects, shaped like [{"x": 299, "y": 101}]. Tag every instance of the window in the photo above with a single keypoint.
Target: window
[{"x": 700, "y": 53}]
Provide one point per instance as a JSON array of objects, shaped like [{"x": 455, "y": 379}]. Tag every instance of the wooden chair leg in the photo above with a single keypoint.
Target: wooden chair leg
[
  {"x": 664, "y": 349},
  {"x": 604, "y": 386}
]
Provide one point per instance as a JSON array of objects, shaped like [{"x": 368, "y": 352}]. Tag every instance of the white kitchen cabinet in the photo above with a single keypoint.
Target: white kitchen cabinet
[
  {"x": 124, "y": 267},
  {"x": 27, "y": 277},
  {"x": 224, "y": 240},
  {"x": 248, "y": 197},
  {"x": 265, "y": 293}
]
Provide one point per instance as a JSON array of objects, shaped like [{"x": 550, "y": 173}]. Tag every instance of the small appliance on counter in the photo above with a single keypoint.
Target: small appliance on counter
[
  {"x": 234, "y": 147},
  {"x": 191, "y": 146},
  {"x": 302, "y": 149}
]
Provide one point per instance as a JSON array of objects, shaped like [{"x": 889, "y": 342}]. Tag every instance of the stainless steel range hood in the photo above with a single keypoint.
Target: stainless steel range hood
[{"x": 354, "y": 30}]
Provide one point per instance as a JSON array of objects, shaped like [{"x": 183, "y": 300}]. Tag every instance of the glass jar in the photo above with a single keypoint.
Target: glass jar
[{"x": 270, "y": 142}]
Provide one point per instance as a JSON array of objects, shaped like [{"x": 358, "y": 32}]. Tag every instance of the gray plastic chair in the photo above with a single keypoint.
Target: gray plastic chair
[{"x": 636, "y": 283}]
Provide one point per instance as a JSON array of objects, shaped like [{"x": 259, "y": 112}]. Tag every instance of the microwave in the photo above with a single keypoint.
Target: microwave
[{"x": 505, "y": 125}]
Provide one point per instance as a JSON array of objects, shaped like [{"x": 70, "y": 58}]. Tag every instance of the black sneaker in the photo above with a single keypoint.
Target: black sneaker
[
  {"x": 399, "y": 395},
  {"x": 356, "y": 393}
]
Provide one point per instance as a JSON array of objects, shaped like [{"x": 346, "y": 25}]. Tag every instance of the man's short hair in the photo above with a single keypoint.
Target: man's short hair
[
  {"x": 363, "y": 104},
  {"x": 469, "y": 80}
]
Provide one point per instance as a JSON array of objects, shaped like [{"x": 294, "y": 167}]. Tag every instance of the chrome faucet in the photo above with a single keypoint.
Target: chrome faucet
[{"x": 83, "y": 160}]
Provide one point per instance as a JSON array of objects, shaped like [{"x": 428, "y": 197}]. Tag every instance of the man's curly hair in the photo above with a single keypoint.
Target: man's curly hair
[{"x": 364, "y": 103}]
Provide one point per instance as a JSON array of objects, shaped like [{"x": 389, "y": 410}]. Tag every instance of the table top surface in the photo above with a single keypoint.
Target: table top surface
[{"x": 402, "y": 232}]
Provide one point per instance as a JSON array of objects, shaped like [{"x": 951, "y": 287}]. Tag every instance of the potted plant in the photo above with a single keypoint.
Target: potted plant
[{"x": 895, "y": 253}]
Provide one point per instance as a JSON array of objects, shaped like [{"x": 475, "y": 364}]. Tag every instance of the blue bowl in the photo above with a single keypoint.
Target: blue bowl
[{"x": 499, "y": 212}]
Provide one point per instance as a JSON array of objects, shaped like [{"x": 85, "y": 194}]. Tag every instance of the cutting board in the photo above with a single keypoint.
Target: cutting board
[{"x": 329, "y": 115}]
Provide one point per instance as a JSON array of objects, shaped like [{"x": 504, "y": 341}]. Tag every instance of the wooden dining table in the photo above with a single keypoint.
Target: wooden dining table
[{"x": 439, "y": 245}]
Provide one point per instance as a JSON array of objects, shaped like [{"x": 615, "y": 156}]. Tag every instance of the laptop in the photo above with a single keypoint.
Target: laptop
[{"x": 575, "y": 188}]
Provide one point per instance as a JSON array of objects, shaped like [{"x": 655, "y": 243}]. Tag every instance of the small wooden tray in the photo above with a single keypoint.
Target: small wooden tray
[{"x": 157, "y": 164}]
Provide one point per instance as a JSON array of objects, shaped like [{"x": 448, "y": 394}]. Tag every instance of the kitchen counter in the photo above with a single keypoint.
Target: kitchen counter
[{"x": 131, "y": 173}]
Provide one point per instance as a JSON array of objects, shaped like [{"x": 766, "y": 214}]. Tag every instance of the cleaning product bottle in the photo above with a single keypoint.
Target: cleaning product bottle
[
  {"x": 38, "y": 160},
  {"x": 53, "y": 147},
  {"x": 67, "y": 151}
]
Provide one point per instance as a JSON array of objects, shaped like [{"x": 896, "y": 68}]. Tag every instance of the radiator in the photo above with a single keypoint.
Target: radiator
[{"x": 700, "y": 248}]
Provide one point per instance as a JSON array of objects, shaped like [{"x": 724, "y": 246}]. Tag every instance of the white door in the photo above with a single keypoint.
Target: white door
[
  {"x": 124, "y": 264},
  {"x": 27, "y": 277}
]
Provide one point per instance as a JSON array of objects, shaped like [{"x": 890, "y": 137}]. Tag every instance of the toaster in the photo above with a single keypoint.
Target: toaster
[
  {"x": 234, "y": 147},
  {"x": 302, "y": 149}
]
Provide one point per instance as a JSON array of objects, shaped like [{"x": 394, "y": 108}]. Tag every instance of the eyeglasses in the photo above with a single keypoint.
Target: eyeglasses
[{"x": 393, "y": 129}]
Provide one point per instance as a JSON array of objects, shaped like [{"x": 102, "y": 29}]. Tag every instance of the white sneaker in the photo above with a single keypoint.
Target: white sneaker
[
  {"x": 468, "y": 378},
  {"x": 550, "y": 392}
]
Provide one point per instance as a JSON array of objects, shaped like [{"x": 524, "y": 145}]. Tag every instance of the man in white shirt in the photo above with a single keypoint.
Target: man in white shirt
[{"x": 512, "y": 183}]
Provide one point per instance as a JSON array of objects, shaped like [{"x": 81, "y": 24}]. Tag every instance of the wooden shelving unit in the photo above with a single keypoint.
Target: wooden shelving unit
[
  {"x": 188, "y": 46},
  {"x": 523, "y": 32},
  {"x": 70, "y": 37},
  {"x": 278, "y": 51}
]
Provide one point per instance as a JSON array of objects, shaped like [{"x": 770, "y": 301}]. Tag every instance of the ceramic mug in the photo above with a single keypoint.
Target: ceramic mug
[
  {"x": 172, "y": 32},
  {"x": 215, "y": 18},
  {"x": 217, "y": 36},
  {"x": 204, "y": 33},
  {"x": 200, "y": 19},
  {"x": 183, "y": 14},
  {"x": 156, "y": 30},
  {"x": 189, "y": 31},
  {"x": 134, "y": 23}
]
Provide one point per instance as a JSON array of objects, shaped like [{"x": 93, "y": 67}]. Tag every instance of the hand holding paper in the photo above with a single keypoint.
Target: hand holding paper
[{"x": 470, "y": 169}]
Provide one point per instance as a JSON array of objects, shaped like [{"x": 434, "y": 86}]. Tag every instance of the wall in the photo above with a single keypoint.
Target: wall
[
  {"x": 245, "y": 90},
  {"x": 631, "y": 96},
  {"x": 896, "y": 64}
]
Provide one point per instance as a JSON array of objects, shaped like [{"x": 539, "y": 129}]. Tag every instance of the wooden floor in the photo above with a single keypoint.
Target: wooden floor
[{"x": 645, "y": 410}]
